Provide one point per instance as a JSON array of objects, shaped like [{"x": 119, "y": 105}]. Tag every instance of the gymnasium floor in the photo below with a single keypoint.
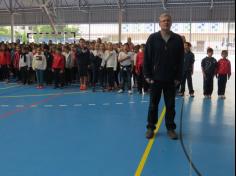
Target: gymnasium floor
[{"x": 71, "y": 133}]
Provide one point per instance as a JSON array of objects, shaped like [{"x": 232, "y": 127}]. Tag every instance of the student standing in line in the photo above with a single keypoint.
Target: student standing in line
[
  {"x": 96, "y": 61},
  {"x": 30, "y": 72},
  {"x": 223, "y": 73},
  {"x": 68, "y": 65},
  {"x": 48, "y": 71},
  {"x": 111, "y": 63},
  {"x": 117, "y": 71},
  {"x": 83, "y": 62},
  {"x": 209, "y": 68},
  {"x": 134, "y": 61},
  {"x": 24, "y": 65},
  {"x": 103, "y": 70},
  {"x": 75, "y": 63},
  {"x": 16, "y": 63},
  {"x": 188, "y": 69},
  {"x": 39, "y": 66},
  {"x": 5, "y": 61},
  {"x": 58, "y": 68},
  {"x": 142, "y": 84},
  {"x": 125, "y": 63}
]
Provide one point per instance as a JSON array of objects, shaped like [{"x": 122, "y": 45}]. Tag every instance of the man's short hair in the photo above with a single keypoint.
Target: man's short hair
[{"x": 165, "y": 15}]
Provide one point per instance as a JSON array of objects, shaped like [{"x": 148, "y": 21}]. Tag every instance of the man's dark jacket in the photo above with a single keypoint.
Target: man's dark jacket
[{"x": 164, "y": 61}]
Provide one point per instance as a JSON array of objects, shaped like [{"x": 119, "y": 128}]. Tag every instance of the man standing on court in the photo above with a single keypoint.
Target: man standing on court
[{"x": 163, "y": 64}]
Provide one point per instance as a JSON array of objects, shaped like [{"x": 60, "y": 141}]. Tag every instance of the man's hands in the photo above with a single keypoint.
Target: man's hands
[
  {"x": 177, "y": 82},
  {"x": 149, "y": 81}
]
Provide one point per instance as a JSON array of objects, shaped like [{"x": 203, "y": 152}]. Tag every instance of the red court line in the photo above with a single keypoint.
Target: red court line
[{"x": 17, "y": 110}]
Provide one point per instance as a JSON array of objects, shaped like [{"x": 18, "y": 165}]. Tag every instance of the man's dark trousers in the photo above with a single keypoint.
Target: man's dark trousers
[{"x": 168, "y": 89}]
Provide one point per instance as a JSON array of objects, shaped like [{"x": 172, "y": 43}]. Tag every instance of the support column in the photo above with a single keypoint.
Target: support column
[
  {"x": 228, "y": 37},
  {"x": 120, "y": 19},
  {"x": 191, "y": 21},
  {"x": 12, "y": 20},
  {"x": 89, "y": 25},
  {"x": 12, "y": 28},
  {"x": 155, "y": 20}
]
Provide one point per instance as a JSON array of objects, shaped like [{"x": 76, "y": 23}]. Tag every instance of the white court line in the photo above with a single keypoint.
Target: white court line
[
  {"x": 5, "y": 88},
  {"x": 77, "y": 105},
  {"x": 74, "y": 105},
  {"x": 4, "y": 106},
  {"x": 92, "y": 104},
  {"x": 63, "y": 105},
  {"x": 34, "y": 106},
  {"x": 48, "y": 106},
  {"x": 20, "y": 106}
]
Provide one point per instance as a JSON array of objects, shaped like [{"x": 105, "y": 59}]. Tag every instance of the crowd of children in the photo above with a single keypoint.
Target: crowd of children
[{"x": 110, "y": 66}]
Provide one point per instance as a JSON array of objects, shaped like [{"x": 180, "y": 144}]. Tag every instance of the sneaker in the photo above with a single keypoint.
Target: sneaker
[
  {"x": 130, "y": 92},
  {"x": 120, "y": 91},
  {"x": 150, "y": 134},
  {"x": 172, "y": 134},
  {"x": 180, "y": 94},
  {"x": 82, "y": 87},
  {"x": 192, "y": 95},
  {"x": 222, "y": 96}
]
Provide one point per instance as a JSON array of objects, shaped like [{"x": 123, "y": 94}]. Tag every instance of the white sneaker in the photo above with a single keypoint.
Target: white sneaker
[
  {"x": 130, "y": 91},
  {"x": 120, "y": 91}
]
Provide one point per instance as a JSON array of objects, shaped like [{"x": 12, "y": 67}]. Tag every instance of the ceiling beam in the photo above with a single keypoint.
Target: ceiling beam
[
  {"x": 119, "y": 3},
  {"x": 132, "y": 5},
  {"x": 45, "y": 9},
  {"x": 164, "y": 4},
  {"x": 7, "y": 5},
  {"x": 212, "y": 4},
  {"x": 51, "y": 20}
]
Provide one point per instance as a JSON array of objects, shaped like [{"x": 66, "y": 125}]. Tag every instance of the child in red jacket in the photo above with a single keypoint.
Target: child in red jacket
[
  {"x": 142, "y": 84},
  {"x": 16, "y": 63},
  {"x": 223, "y": 73},
  {"x": 58, "y": 67},
  {"x": 5, "y": 61}
]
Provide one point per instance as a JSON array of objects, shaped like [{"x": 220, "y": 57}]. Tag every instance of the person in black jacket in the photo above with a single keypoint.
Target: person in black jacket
[
  {"x": 95, "y": 60},
  {"x": 48, "y": 72},
  {"x": 209, "y": 69},
  {"x": 163, "y": 65},
  {"x": 83, "y": 56},
  {"x": 189, "y": 60}
]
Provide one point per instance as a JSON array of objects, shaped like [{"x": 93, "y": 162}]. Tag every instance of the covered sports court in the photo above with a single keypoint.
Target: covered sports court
[{"x": 68, "y": 132}]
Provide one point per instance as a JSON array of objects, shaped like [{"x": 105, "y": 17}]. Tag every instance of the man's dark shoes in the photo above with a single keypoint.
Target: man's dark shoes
[
  {"x": 150, "y": 134},
  {"x": 172, "y": 134}
]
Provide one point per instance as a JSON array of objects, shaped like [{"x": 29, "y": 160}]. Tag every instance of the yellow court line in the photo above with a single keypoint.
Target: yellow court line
[
  {"x": 149, "y": 146},
  {"x": 9, "y": 87},
  {"x": 41, "y": 95}
]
